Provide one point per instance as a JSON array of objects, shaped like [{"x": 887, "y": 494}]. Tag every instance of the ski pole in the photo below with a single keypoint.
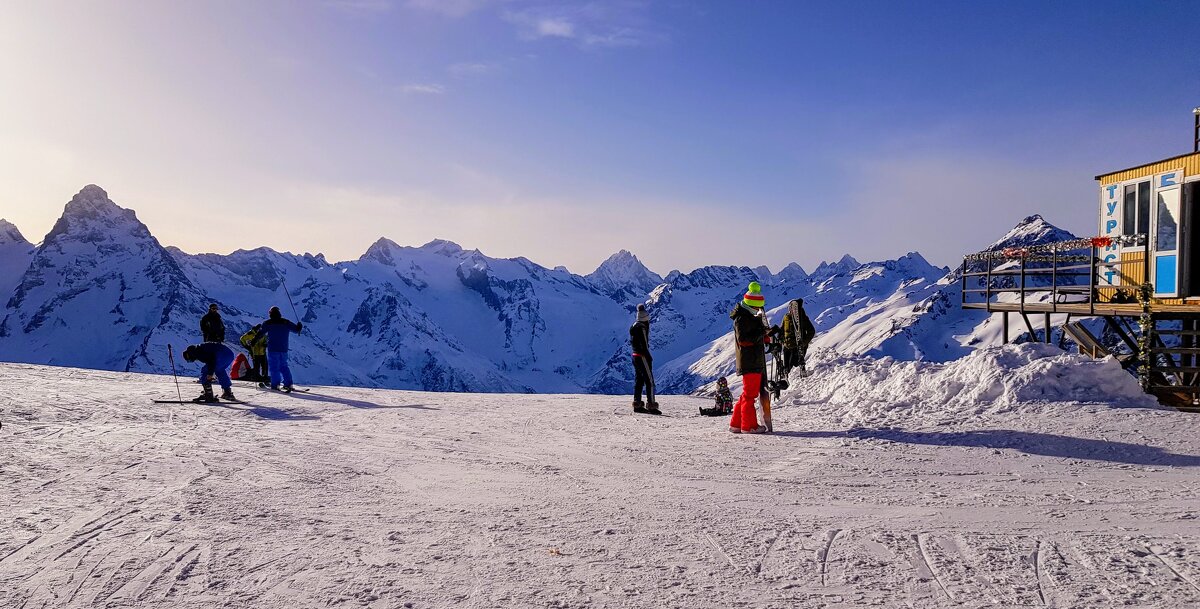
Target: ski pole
[
  {"x": 289, "y": 297},
  {"x": 171, "y": 356}
]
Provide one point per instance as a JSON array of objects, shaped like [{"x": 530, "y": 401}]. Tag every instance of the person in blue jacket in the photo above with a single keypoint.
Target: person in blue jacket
[
  {"x": 278, "y": 330},
  {"x": 216, "y": 358}
]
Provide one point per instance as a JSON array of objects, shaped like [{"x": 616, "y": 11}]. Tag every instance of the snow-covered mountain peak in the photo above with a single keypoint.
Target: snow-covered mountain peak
[
  {"x": 828, "y": 269},
  {"x": 443, "y": 246},
  {"x": 713, "y": 277},
  {"x": 9, "y": 233},
  {"x": 382, "y": 251},
  {"x": 915, "y": 265},
  {"x": 791, "y": 273},
  {"x": 1030, "y": 231},
  {"x": 91, "y": 217},
  {"x": 91, "y": 202},
  {"x": 623, "y": 275}
]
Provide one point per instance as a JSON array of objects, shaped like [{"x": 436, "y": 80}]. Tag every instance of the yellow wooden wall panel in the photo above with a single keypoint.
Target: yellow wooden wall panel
[
  {"x": 1133, "y": 269},
  {"x": 1189, "y": 163}
]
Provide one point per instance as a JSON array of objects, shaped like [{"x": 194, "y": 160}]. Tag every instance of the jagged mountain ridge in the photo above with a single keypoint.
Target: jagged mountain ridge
[
  {"x": 435, "y": 317},
  {"x": 915, "y": 319}
]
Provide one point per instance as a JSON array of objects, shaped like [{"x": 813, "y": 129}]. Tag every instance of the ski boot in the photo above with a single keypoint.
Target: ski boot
[
  {"x": 206, "y": 397},
  {"x": 652, "y": 408},
  {"x": 228, "y": 395},
  {"x": 639, "y": 407},
  {"x": 287, "y": 388}
]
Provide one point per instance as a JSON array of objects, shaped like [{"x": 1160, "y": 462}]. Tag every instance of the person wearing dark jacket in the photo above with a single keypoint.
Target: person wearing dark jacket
[
  {"x": 643, "y": 363},
  {"x": 216, "y": 359},
  {"x": 798, "y": 331},
  {"x": 211, "y": 326},
  {"x": 278, "y": 330},
  {"x": 750, "y": 335}
]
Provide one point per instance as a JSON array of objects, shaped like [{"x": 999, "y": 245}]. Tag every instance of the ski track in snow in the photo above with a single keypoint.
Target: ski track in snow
[{"x": 370, "y": 498}]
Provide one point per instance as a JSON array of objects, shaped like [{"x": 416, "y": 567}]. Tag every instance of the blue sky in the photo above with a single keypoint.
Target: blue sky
[{"x": 690, "y": 133}]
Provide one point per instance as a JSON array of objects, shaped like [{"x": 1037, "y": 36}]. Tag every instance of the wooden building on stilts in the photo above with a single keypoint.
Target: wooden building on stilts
[{"x": 1140, "y": 275}]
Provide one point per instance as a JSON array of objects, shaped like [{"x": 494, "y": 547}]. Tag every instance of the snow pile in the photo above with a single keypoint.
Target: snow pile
[{"x": 1011, "y": 378}]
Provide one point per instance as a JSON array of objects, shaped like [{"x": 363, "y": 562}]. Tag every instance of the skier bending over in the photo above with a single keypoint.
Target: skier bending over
[
  {"x": 278, "y": 330},
  {"x": 643, "y": 363},
  {"x": 750, "y": 333},
  {"x": 216, "y": 359}
]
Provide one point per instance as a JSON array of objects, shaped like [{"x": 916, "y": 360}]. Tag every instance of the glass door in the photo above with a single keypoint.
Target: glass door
[{"x": 1166, "y": 244}]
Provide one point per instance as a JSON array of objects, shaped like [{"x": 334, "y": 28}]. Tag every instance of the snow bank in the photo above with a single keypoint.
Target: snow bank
[{"x": 1010, "y": 378}]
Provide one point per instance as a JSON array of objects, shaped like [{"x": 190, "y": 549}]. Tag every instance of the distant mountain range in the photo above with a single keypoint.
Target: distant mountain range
[{"x": 101, "y": 292}]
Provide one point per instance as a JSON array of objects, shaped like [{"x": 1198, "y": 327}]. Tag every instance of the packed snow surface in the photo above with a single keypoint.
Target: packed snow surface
[{"x": 1015, "y": 478}]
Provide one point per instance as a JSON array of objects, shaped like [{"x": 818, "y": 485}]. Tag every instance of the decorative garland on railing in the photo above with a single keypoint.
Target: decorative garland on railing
[
  {"x": 1027, "y": 252},
  {"x": 1146, "y": 336}
]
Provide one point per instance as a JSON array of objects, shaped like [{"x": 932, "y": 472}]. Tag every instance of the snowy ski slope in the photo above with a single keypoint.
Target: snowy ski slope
[{"x": 965, "y": 490}]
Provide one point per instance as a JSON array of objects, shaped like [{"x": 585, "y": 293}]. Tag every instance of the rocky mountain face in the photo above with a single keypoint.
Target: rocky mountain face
[
  {"x": 15, "y": 254},
  {"x": 624, "y": 278},
  {"x": 101, "y": 292}
]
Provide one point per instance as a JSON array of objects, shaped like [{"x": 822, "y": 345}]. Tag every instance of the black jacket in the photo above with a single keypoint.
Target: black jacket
[
  {"x": 639, "y": 337},
  {"x": 212, "y": 328},
  {"x": 750, "y": 333}
]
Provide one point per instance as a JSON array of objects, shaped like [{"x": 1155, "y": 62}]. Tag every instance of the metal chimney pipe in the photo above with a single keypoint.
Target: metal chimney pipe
[{"x": 1196, "y": 133}]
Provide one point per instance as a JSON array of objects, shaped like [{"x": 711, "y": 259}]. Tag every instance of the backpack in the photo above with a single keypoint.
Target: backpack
[{"x": 241, "y": 367}]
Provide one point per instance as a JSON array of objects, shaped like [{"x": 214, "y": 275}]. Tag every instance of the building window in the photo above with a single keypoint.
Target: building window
[{"x": 1137, "y": 209}]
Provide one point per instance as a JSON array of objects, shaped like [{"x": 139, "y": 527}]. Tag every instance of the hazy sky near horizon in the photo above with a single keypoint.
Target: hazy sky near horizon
[{"x": 690, "y": 133}]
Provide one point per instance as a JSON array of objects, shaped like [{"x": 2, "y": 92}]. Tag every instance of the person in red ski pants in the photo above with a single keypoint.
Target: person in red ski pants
[
  {"x": 750, "y": 332},
  {"x": 745, "y": 419}
]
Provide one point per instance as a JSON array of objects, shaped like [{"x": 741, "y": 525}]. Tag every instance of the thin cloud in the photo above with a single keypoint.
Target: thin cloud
[
  {"x": 622, "y": 37},
  {"x": 465, "y": 69},
  {"x": 423, "y": 89},
  {"x": 590, "y": 25},
  {"x": 449, "y": 8},
  {"x": 361, "y": 6},
  {"x": 554, "y": 27}
]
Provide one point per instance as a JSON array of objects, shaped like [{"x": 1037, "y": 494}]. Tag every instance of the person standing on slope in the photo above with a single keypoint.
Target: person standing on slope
[
  {"x": 211, "y": 326},
  {"x": 255, "y": 341},
  {"x": 750, "y": 334},
  {"x": 643, "y": 363},
  {"x": 798, "y": 331},
  {"x": 278, "y": 330},
  {"x": 216, "y": 358}
]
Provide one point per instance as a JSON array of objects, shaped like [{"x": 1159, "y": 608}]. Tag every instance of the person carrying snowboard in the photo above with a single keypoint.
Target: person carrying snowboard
[
  {"x": 211, "y": 326},
  {"x": 643, "y": 364},
  {"x": 278, "y": 331},
  {"x": 255, "y": 341},
  {"x": 798, "y": 332},
  {"x": 750, "y": 334},
  {"x": 216, "y": 359}
]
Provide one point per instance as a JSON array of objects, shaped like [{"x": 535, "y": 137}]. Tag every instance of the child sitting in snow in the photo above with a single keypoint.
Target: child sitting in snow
[{"x": 724, "y": 404}]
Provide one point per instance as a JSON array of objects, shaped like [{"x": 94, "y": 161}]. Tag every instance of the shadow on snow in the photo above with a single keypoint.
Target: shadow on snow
[
  {"x": 1033, "y": 443},
  {"x": 321, "y": 397}
]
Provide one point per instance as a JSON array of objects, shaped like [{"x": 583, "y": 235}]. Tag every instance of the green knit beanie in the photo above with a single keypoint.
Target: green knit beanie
[{"x": 754, "y": 297}]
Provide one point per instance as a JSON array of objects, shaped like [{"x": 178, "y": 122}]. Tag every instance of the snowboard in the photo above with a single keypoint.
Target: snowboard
[
  {"x": 219, "y": 402},
  {"x": 294, "y": 389}
]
